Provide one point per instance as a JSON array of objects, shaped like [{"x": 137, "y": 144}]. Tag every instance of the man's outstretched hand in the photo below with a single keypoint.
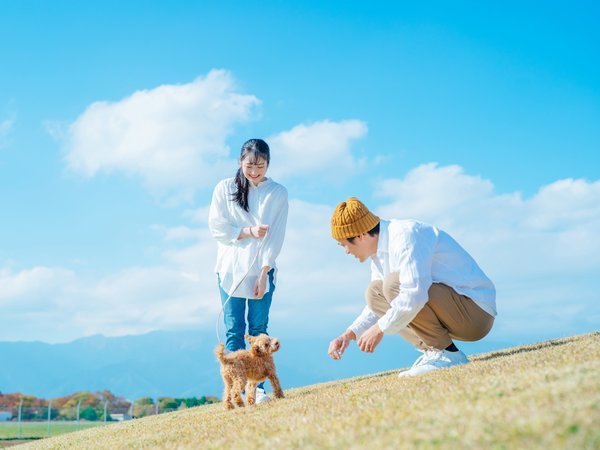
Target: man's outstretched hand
[
  {"x": 370, "y": 339},
  {"x": 338, "y": 346}
]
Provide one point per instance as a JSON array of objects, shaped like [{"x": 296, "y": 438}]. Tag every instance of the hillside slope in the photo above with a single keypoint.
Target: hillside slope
[{"x": 545, "y": 395}]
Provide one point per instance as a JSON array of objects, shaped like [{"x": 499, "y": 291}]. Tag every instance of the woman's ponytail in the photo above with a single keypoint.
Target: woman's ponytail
[{"x": 240, "y": 196}]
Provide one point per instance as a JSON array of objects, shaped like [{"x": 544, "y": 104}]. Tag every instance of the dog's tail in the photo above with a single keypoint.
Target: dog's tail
[{"x": 220, "y": 352}]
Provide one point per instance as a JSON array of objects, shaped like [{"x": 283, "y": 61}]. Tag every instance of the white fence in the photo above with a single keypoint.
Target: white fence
[{"x": 20, "y": 422}]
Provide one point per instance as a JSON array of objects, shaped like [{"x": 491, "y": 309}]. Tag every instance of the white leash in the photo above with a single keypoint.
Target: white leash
[{"x": 240, "y": 282}]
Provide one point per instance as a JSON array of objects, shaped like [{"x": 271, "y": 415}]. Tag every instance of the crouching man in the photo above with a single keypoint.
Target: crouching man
[{"x": 424, "y": 286}]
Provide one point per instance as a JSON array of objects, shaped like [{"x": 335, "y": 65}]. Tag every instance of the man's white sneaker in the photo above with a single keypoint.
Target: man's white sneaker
[
  {"x": 261, "y": 396},
  {"x": 433, "y": 360}
]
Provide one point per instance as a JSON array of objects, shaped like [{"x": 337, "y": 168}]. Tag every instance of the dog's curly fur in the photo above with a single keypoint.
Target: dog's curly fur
[{"x": 248, "y": 368}]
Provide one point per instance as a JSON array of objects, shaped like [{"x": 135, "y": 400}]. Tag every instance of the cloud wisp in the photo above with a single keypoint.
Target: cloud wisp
[
  {"x": 5, "y": 128},
  {"x": 322, "y": 147}
]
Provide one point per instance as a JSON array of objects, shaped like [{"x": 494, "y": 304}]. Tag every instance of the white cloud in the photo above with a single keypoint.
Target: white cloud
[
  {"x": 553, "y": 228},
  {"x": 172, "y": 137},
  {"x": 443, "y": 194},
  {"x": 57, "y": 305},
  {"x": 317, "y": 148},
  {"x": 18, "y": 289},
  {"x": 141, "y": 299},
  {"x": 565, "y": 204},
  {"x": 543, "y": 253}
]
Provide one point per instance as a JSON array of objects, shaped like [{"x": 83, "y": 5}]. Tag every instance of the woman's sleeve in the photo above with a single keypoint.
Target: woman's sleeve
[
  {"x": 220, "y": 228},
  {"x": 274, "y": 239}
]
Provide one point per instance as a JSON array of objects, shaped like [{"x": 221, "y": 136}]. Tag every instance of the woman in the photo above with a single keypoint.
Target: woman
[{"x": 247, "y": 217}]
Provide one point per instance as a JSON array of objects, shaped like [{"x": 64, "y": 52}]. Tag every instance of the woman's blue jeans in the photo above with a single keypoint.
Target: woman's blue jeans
[{"x": 234, "y": 315}]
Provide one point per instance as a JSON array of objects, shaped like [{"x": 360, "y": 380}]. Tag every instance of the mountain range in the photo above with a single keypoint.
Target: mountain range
[{"x": 175, "y": 364}]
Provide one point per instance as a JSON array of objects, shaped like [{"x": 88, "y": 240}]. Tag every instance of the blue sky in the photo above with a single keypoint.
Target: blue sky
[{"x": 117, "y": 119}]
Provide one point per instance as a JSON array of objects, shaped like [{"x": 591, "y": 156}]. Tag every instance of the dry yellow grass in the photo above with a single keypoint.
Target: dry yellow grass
[{"x": 544, "y": 396}]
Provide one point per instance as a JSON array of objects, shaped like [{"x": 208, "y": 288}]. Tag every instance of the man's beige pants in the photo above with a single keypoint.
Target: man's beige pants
[{"x": 447, "y": 315}]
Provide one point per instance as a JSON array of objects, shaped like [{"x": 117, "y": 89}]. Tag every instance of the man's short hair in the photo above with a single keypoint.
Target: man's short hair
[{"x": 372, "y": 232}]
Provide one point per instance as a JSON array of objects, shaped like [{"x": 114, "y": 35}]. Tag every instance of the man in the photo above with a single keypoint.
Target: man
[{"x": 424, "y": 286}]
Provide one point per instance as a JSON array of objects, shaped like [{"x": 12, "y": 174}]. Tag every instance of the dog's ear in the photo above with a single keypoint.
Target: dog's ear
[
  {"x": 255, "y": 350},
  {"x": 248, "y": 338}
]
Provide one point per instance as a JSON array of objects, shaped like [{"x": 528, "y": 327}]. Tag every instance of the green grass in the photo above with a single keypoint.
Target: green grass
[
  {"x": 9, "y": 430},
  {"x": 541, "y": 396}
]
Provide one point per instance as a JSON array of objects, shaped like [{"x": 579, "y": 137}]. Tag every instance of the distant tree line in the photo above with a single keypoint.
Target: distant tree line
[
  {"x": 147, "y": 406},
  {"x": 92, "y": 405}
]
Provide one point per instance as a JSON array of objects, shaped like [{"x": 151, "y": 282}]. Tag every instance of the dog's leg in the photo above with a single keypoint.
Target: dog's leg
[
  {"x": 251, "y": 392},
  {"x": 227, "y": 392},
  {"x": 276, "y": 386},
  {"x": 238, "y": 385}
]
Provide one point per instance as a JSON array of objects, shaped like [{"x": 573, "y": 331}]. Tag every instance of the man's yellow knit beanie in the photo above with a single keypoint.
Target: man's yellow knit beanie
[{"x": 351, "y": 218}]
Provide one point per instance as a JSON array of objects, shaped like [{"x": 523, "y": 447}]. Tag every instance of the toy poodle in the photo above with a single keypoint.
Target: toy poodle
[{"x": 247, "y": 368}]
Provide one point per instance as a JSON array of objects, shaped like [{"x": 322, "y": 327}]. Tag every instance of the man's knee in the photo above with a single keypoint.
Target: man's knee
[
  {"x": 375, "y": 299},
  {"x": 477, "y": 331},
  {"x": 460, "y": 315},
  {"x": 391, "y": 286},
  {"x": 373, "y": 292}
]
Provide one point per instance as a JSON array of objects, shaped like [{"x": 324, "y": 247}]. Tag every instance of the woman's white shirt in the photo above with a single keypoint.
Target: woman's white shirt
[{"x": 268, "y": 204}]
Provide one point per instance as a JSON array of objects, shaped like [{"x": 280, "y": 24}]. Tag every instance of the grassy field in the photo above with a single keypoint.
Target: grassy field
[
  {"x": 541, "y": 396},
  {"x": 40, "y": 429}
]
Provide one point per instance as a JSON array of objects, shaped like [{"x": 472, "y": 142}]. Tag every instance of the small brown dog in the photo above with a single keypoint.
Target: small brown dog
[{"x": 248, "y": 368}]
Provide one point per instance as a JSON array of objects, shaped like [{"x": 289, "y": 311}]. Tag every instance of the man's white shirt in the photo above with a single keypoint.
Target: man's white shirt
[{"x": 422, "y": 254}]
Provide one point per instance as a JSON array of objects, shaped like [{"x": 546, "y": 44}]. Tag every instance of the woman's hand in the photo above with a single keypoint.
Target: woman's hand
[
  {"x": 257, "y": 232},
  {"x": 261, "y": 284}
]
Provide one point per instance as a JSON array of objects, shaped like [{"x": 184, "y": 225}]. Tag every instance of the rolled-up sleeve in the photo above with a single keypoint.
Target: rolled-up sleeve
[
  {"x": 276, "y": 235},
  {"x": 365, "y": 320}
]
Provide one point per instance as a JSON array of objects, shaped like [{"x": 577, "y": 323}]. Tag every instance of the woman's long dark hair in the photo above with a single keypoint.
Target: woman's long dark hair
[{"x": 253, "y": 149}]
